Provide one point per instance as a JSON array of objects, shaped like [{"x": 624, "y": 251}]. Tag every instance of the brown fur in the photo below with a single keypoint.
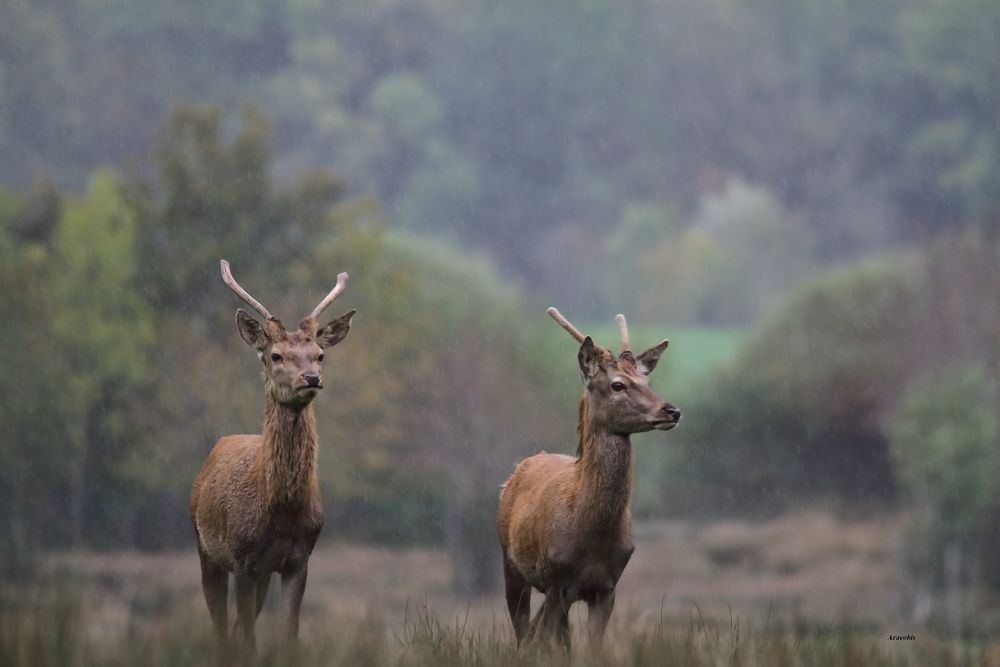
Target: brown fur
[
  {"x": 564, "y": 523},
  {"x": 255, "y": 504}
]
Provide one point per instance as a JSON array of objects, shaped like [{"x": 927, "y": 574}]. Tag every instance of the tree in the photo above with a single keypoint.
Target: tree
[
  {"x": 36, "y": 458},
  {"x": 104, "y": 328}
]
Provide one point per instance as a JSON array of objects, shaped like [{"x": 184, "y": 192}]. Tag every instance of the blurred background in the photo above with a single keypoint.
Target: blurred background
[{"x": 801, "y": 196}]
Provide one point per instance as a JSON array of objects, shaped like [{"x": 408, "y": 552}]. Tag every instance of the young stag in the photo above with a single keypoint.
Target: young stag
[
  {"x": 564, "y": 523},
  {"x": 255, "y": 504}
]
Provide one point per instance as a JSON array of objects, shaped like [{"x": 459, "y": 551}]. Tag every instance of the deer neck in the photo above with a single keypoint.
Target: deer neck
[
  {"x": 289, "y": 453},
  {"x": 605, "y": 471}
]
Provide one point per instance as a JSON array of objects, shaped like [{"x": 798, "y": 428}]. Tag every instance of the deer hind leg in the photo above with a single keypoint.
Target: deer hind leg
[
  {"x": 518, "y": 593},
  {"x": 215, "y": 586},
  {"x": 293, "y": 587}
]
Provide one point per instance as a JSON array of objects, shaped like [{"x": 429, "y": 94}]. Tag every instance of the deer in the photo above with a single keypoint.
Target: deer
[
  {"x": 255, "y": 504},
  {"x": 564, "y": 522}
]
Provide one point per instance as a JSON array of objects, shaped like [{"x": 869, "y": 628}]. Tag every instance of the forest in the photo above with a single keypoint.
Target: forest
[{"x": 802, "y": 196}]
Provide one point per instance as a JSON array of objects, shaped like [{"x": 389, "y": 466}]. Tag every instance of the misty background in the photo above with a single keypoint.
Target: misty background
[{"x": 801, "y": 196}]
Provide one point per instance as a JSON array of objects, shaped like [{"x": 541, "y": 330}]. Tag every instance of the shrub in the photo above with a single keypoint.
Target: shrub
[
  {"x": 943, "y": 445},
  {"x": 799, "y": 413}
]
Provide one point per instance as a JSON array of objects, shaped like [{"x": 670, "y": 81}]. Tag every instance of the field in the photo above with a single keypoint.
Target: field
[{"x": 804, "y": 589}]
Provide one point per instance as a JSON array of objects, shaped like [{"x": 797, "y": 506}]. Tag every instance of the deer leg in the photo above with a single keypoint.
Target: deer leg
[
  {"x": 534, "y": 628},
  {"x": 518, "y": 599},
  {"x": 562, "y": 630},
  {"x": 598, "y": 613},
  {"x": 215, "y": 585},
  {"x": 262, "y": 585},
  {"x": 553, "y": 618},
  {"x": 246, "y": 608},
  {"x": 293, "y": 587}
]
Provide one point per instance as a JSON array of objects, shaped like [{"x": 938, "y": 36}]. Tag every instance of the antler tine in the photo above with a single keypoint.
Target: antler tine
[
  {"x": 332, "y": 296},
  {"x": 227, "y": 277},
  {"x": 623, "y": 330},
  {"x": 564, "y": 323}
]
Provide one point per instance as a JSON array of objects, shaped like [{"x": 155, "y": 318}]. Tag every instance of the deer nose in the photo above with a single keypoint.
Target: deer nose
[
  {"x": 671, "y": 413},
  {"x": 311, "y": 378}
]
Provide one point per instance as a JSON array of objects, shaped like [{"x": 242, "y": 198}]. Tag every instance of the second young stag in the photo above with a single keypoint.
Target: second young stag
[{"x": 564, "y": 522}]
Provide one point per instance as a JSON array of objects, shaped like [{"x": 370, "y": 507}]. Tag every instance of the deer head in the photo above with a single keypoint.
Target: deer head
[
  {"x": 291, "y": 359},
  {"x": 618, "y": 392}
]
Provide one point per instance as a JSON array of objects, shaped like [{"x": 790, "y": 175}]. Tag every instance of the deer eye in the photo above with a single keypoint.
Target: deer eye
[
  {"x": 617, "y": 386},
  {"x": 320, "y": 356},
  {"x": 275, "y": 357}
]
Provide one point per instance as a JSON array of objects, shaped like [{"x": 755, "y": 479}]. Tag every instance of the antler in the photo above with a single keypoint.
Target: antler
[
  {"x": 227, "y": 277},
  {"x": 332, "y": 296},
  {"x": 623, "y": 330},
  {"x": 564, "y": 323}
]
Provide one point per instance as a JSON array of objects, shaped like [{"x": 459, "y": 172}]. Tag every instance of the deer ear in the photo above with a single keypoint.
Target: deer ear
[
  {"x": 589, "y": 358},
  {"x": 647, "y": 361},
  {"x": 335, "y": 331},
  {"x": 251, "y": 331}
]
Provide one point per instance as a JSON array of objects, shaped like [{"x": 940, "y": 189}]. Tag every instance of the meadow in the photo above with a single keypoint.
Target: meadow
[{"x": 807, "y": 589}]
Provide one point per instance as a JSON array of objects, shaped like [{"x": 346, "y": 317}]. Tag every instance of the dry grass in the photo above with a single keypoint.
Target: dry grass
[{"x": 803, "y": 589}]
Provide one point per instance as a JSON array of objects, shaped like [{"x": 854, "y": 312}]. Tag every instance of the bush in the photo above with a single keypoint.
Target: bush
[
  {"x": 799, "y": 412},
  {"x": 943, "y": 443}
]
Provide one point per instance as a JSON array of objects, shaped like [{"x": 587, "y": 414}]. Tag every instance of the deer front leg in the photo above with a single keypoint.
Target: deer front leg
[
  {"x": 262, "y": 586},
  {"x": 552, "y": 620},
  {"x": 246, "y": 608},
  {"x": 293, "y": 587},
  {"x": 598, "y": 614}
]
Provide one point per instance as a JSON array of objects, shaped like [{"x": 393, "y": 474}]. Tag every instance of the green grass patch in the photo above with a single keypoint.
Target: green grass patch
[{"x": 693, "y": 354}]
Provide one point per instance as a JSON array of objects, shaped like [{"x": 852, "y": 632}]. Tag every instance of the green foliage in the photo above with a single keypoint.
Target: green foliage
[
  {"x": 943, "y": 438},
  {"x": 102, "y": 322}
]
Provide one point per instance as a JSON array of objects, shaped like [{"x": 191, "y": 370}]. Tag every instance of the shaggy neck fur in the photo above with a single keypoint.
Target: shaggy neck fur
[
  {"x": 605, "y": 470},
  {"x": 289, "y": 452}
]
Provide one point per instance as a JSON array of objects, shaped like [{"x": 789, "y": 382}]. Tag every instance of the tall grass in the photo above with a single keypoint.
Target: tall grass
[{"x": 50, "y": 627}]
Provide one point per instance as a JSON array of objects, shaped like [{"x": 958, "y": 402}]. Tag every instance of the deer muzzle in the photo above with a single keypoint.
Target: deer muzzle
[
  {"x": 312, "y": 381},
  {"x": 667, "y": 418}
]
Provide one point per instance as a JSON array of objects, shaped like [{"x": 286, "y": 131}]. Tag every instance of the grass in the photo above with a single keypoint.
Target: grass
[
  {"x": 50, "y": 630},
  {"x": 810, "y": 588}
]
